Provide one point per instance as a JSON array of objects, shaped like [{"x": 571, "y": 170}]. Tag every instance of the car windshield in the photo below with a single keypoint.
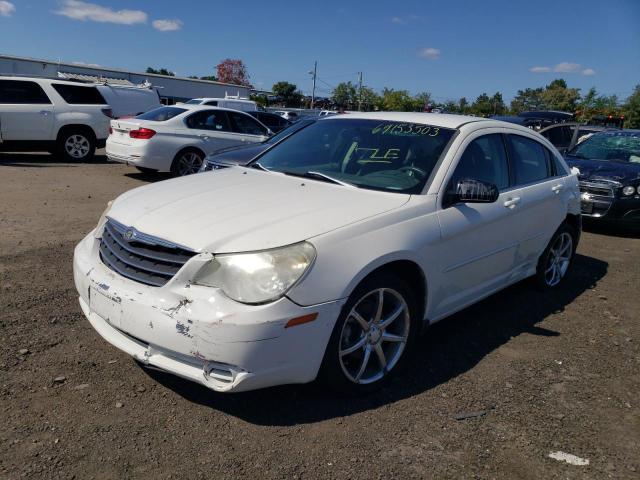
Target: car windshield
[
  {"x": 374, "y": 154},
  {"x": 194, "y": 101},
  {"x": 611, "y": 146}
]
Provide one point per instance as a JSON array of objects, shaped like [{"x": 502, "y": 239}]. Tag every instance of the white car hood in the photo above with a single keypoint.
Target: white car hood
[{"x": 239, "y": 209}]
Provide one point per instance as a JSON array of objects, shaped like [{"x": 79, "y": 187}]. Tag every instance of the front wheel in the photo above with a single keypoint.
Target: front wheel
[
  {"x": 555, "y": 261},
  {"x": 373, "y": 336}
]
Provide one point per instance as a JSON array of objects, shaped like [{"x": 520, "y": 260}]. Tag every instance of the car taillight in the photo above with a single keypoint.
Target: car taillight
[
  {"x": 108, "y": 112},
  {"x": 142, "y": 133}
]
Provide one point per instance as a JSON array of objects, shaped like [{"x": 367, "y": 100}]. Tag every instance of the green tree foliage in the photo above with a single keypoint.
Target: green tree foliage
[
  {"x": 370, "y": 99},
  {"x": 527, "y": 99},
  {"x": 463, "y": 106},
  {"x": 345, "y": 95},
  {"x": 288, "y": 93},
  {"x": 161, "y": 71},
  {"x": 397, "y": 100},
  {"x": 631, "y": 109},
  {"x": 593, "y": 104},
  {"x": 482, "y": 106},
  {"x": 557, "y": 96}
]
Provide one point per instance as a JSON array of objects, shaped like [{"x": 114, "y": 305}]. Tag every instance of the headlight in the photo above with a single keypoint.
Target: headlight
[
  {"x": 628, "y": 190},
  {"x": 258, "y": 277},
  {"x": 638, "y": 189},
  {"x": 103, "y": 219}
]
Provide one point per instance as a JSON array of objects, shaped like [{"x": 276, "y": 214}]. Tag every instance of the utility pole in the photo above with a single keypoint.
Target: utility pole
[
  {"x": 313, "y": 91},
  {"x": 359, "y": 91}
]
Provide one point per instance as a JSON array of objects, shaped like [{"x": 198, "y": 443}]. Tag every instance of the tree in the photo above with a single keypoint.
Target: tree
[
  {"x": 593, "y": 104},
  {"x": 288, "y": 93},
  {"x": 345, "y": 95},
  {"x": 211, "y": 78},
  {"x": 370, "y": 99},
  {"x": 499, "y": 108},
  {"x": 162, "y": 71},
  {"x": 557, "y": 96},
  {"x": 421, "y": 100},
  {"x": 397, "y": 100},
  {"x": 233, "y": 71},
  {"x": 631, "y": 109},
  {"x": 528, "y": 99},
  {"x": 463, "y": 106},
  {"x": 482, "y": 106}
]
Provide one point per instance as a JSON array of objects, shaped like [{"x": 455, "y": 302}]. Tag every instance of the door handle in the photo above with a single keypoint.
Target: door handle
[
  {"x": 557, "y": 188},
  {"x": 204, "y": 137},
  {"x": 44, "y": 112},
  {"x": 512, "y": 202}
]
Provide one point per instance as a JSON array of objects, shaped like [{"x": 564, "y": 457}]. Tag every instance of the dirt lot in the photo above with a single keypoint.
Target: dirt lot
[{"x": 532, "y": 374}]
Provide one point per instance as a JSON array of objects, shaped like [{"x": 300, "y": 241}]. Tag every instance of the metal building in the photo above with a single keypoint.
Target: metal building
[{"x": 171, "y": 89}]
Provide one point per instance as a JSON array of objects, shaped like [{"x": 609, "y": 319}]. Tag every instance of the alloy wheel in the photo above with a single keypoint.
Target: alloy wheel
[
  {"x": 190, "y": 162},
  {"x": 374, "y": 336},
  {"x": 558, "y": 259},
  {"x": 77, "y": 146}
]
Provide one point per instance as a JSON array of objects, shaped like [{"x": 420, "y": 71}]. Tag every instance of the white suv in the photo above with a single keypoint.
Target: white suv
[{"x": 69, "y": 118}]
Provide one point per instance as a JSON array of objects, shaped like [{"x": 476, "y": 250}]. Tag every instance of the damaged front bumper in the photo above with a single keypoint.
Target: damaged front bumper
[{"x": 197, "y": 332}]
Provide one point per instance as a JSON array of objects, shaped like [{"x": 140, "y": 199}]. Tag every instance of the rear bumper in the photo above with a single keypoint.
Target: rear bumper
[{"x": 139, "y": 155}]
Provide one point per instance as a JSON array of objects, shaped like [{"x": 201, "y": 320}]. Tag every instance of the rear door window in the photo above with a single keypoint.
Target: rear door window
[
  {"x": 529, "y": 160},
  {"x": 22, "y": 93},
  {"x": 212, "y": 103},
  {"x": 246, "y": 124},
  {"x": 215, "y": 120},
  {"x": 161, "y": 114},
  {"x": 77, "y": 95}
]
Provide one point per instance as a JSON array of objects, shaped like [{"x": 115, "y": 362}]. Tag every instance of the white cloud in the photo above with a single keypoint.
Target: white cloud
[
  {"x": 6, "y": 8},
  {"x": 403, "y": 20},
  {"x": 167, "y": 25},
  {"x": 429, "y": 53},
  {"x": 84, "y": 11},
  {"x": 539, "y": 69},
  {"x": 566, "y": 67},
  {"x": 397, "y": 20}
]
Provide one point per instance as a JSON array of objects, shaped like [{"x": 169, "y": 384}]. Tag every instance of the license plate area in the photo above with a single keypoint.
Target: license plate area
[{"x": 106, "y": 305}]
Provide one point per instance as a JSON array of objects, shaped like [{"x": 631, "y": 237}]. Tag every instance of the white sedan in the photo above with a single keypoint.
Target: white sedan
[
  {"x": 328, "y": 254},
  {"x": 176, "y": 139}
]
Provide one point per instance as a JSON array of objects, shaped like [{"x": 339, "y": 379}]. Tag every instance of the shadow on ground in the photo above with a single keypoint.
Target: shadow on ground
[
  {"x": 612, "y": 228},
  {"x": 44, "y": 160},
  {"x": 450, "y": 348}
]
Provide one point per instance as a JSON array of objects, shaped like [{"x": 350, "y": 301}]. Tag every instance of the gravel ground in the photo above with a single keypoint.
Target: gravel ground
[{"x": 493, "y": 390}]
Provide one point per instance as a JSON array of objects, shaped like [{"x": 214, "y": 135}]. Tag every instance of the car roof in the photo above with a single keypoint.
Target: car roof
[
  {"x": 206, "y": 99},
  {"x": 194, "y": 107},
  {"x": 444, "y": 120}
]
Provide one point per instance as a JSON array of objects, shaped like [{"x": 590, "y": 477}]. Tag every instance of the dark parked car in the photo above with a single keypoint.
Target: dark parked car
[
  {"x": 243, "y": 154},
  {"x": 609, "y": 164},
  {"x": 274, "y": 122},
  {"x": 565, "y": 136}
]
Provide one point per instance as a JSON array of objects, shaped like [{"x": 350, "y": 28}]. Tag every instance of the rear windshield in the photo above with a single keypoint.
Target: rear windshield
[
  {"x": 161, "y": 114},
  {"x": 194, "y": 101},
  {"x": 77, "y": 95}
]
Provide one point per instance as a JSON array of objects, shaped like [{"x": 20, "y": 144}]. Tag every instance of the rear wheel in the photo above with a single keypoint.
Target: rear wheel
[
  {"x": 555, "y": 261},
  {"x": 373, "y": 337},
  {"x": 76, "y": 145},
  {"x": 187, "y": 162}
]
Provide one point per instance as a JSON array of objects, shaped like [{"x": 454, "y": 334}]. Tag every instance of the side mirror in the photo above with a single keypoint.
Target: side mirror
[{"x": 469, "y": 190}]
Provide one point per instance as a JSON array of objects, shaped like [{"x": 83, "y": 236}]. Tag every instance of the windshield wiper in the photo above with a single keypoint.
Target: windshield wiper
[
  {"x": 319, "y": 176},
  {"x": 259, "y": 167}
]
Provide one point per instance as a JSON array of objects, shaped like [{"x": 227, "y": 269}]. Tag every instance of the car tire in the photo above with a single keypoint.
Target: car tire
[
  {"x": 556, "y": 260},
  {"x": 363, "y": 353},
  {"x": 76, "y": 145},
  {"x": 187, "y": 162}
]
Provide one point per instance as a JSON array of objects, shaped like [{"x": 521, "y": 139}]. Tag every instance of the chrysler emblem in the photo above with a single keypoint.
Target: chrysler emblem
[{"x": 129, "y": 234}]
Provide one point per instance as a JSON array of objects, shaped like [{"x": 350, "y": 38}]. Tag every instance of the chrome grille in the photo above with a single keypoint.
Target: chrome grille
[
  {"x": 139, "y": 256},
  {"x": 596, "y": 189}
]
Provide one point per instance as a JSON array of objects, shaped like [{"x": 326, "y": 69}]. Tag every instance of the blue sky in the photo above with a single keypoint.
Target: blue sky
[{"x": 449, "y": 48}]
